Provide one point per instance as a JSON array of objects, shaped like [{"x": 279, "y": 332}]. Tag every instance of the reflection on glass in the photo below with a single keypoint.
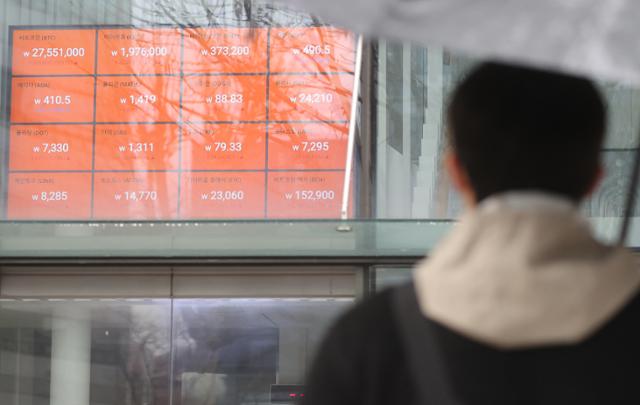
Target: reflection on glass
[
  {"x": 220, "y": 110},
  {"x": 414, "y": 84},
  {"x": 118, "y": 352},
  {"x": 85, "y": 352},
  {"x": 174, "y": 117},
  {"x": 233, "y": 351}
]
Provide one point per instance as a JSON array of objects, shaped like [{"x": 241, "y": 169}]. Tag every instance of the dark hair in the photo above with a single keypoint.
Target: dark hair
[{"x": 516, "y": 128}]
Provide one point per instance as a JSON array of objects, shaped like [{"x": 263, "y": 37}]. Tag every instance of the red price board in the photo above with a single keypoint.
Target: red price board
[
  {"x": 225, "y": 98},
  {"x": 316, "y": 98},
  {"x": 55, "y": 52},
  {"x": 52, "y": 99},
  {"x": 237, "y": 195},
  {"x": 138, "y": 99},
  {"x": 223, "y": 146},
  {"x": 137, "y": 147},
  {"x": 171, "y": 123},
  {"x": 238, "y": 50},
  {"x": 49, "y": 196},
  {"x": 139, "y": 51},
  {"x": 308, "y": 146},
  {"x": 42, "y": 147},
  {"x": 312, "y": 49},
  {"x": 150, "y": 195},
  {"x": 309, "y": 194}
]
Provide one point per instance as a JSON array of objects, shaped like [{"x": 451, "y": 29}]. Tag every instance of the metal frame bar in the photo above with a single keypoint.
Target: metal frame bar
[
  {"x": 279, "y": 261},
  {"x": 344, "y": 211},
  {"x": 366, "y": 203},
  {"x": 381, "y": 126},
  {"x": 631, "y": 198},
  {"x": 365, "y": 282}
]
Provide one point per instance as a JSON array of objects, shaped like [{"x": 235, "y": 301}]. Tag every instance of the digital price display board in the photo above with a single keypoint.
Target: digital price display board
[{"x": 178, "y": 123}]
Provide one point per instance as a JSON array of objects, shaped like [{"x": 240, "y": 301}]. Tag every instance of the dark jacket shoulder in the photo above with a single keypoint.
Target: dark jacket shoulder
[
  {"x": 364, "y": 360},
  {"x": 361, "y": 360}
]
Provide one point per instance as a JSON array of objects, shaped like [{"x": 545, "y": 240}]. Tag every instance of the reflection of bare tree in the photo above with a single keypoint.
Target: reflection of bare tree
[
  {"x": 150, "y": 357},
  {"x": 222, "y": 359},
  {"x": 217, "y": 352},
  {"x": 131, "y": 357},
  {"x": 190, "y": 14},
  {"x": 216, "y": 13}
]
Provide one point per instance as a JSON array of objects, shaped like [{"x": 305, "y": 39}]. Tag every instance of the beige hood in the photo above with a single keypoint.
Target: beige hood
[{"x": 523, "y": 270}]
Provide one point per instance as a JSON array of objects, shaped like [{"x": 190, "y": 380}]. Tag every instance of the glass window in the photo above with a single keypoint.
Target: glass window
[
  {"x": 427, "y": 76},
  {"x": 139, "y": 110},
  {"x": 241, "y": 351},
  {"x": 141, "y": 351},
  {"x": 215, "y": 128},
  {"x": 152, "y": 335},
  {"x": 88, "y": 351}
]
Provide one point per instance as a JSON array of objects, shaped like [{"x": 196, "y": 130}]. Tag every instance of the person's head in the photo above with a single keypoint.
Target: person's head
[{"x": 521, "y": 129}]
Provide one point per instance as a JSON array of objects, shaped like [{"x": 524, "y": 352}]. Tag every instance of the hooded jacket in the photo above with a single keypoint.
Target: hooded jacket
[{"x": 519, "y": 304}]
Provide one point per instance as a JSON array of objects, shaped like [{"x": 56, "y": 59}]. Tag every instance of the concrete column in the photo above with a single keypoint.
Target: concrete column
[
  {"x": 381, "y": 135},
  {"x": 426, "y": 178},
  {"x": 70, "y": 355},
  {"x": 394, "y": 169},
  {"x": 405, "y": 173}
]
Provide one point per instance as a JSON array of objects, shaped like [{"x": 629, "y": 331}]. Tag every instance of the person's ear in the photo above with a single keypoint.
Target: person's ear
[
  {"x": 459, "y": 178},
  {"x": 597, "y": 180}
]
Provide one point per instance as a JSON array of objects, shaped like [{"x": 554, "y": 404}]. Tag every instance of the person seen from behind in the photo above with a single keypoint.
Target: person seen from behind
[{"x": 520, "y": 303}]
